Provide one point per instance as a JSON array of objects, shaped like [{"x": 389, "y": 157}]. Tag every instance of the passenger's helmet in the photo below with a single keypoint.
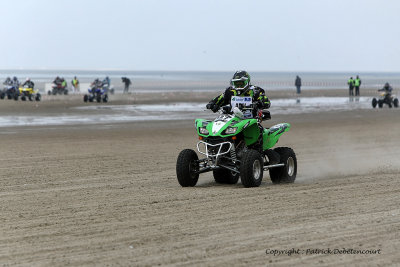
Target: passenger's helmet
[{"x": 240, "y": 81}]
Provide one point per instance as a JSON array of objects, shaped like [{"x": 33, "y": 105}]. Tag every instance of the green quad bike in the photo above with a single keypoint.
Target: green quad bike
[{"x": 236, "y": 145}]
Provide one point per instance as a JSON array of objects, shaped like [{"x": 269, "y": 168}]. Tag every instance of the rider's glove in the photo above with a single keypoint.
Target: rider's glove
[
  {"x": 212, "y": 106},
  {"x": 215, "y": 108}
]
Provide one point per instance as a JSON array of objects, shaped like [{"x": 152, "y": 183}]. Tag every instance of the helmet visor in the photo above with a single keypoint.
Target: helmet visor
[{"x": 239, "y": 83}]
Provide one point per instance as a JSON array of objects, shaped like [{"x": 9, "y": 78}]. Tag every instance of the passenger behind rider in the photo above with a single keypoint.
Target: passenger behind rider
[
  {"x": 28, "y": 83},
  {"x": 240, "y": 86}
]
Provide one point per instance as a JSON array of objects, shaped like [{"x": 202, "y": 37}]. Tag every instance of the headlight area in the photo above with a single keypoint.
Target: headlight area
[
  {"x": 203, "y": 130},
  {"x": 230, "y": 130}
]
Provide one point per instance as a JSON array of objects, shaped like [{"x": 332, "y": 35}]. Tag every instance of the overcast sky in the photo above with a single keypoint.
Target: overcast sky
[{"x": 211, "y": 35}]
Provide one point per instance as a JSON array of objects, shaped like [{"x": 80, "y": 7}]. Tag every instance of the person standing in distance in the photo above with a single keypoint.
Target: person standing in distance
[
  {"x": 350, "y": 82},
  {"x": 297, "y": 83},
  {"x": 75, "y": 84},
  {"x": 357, "y": 84},
  {"x": 127, "y": 82}
]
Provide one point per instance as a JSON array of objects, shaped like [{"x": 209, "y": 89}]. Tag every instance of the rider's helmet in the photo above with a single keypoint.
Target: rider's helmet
[
  {"x": 15, "y": 78},
  {"x": 240, "y": 81},
  {"x": 386, "y": 85},
  {"x": 28, "y": 79}
]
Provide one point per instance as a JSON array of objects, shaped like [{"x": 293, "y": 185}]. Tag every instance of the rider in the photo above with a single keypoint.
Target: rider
[
  {"x": 28, "y": 83},
  {"x": 240, "y": 86},
  {"x": 15, "y": 81},
  {"x": 387, "y": 89},
  {"x": 107, "y": 81},
  {"x": 8, "y": 81},
  {"x": 388, "y": 92},
  {"x": 57, "y": 81},
  {"x": 95, "y": 84}
]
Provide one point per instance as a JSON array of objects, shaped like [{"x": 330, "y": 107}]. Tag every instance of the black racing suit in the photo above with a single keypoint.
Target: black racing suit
[
  {"x": 257, "y": 93},
  {"x": 30, "y": 84}
]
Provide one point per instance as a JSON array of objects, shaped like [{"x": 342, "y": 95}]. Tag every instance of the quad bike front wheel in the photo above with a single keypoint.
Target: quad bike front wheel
[
  {"x": 187, "y": 166},
  {"x": 288, "y": 172},
  {"x": 251, "y": 169},
  {"x": 85, "y": 98},
  {"x": 224, "y": 176},
  {"x": 380, "y": 103},
  {"x": 374, "y": 102}
]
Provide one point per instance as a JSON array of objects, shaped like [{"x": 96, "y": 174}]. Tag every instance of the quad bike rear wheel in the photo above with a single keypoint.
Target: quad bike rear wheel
[
  {"x": 224, "y": 176},
  {"x": 38, "y": 97},
  {"x": 85, "y": 98},
  {"x": 251, "y": 169},
  {"x": 374, "y": 102},
  {"x": 98, "y": 98},
  {"x": 186, "y": 166},
  {"x": 380, "y": 103},
  {"x": 288, "y": 172},
  {"x": 396, "y": 103},
  {"x": 2, "y": 95}
]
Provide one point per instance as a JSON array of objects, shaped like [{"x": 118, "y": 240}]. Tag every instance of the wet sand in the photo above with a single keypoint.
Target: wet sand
[{"x": 107, "y": 194}]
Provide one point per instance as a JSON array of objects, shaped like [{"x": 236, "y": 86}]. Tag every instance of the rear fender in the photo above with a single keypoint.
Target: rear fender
[{"x": 272, "y": 135}]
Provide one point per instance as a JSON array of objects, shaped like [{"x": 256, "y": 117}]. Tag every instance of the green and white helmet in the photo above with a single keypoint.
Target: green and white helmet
[{"x": 240, "y": 80}]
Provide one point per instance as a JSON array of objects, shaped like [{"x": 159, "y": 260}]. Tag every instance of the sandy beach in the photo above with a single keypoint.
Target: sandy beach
[{"x": 107, "y": 193}]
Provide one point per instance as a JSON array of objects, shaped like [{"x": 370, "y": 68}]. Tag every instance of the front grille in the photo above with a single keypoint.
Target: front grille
[{"x": 215, "y": 140}]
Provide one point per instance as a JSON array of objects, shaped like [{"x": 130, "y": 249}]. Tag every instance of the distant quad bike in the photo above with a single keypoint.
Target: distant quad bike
[
  {"x": 97, "y": 94},
  {"x": 27, "y": 93},
  {"x": 9, "y": 92},
  {"x": 235, "y": 145},
  {"x": 58, "y": 89},
  {"x": 385, "y": 98}
]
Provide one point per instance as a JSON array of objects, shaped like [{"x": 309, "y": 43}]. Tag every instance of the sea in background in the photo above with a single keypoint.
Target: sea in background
[{"x": 154, "y": 81}]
